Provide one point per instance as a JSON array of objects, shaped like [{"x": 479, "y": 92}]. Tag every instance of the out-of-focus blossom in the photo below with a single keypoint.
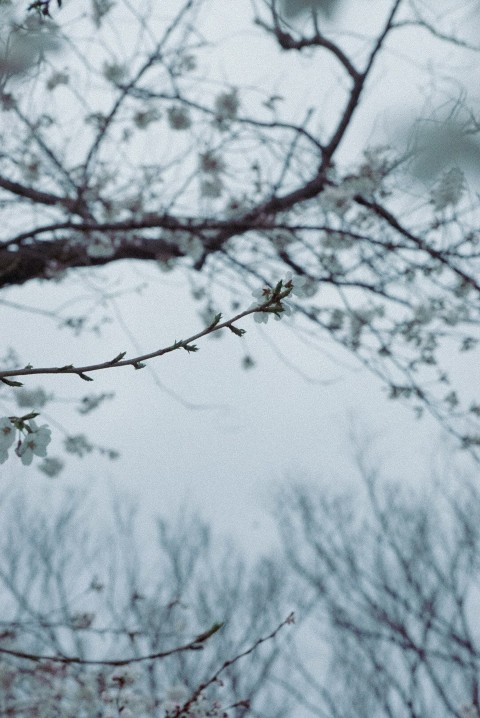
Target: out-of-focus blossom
[
  {"x": 178, "y": 118},
  {"x": 51, "y": 466},
  {"x": 449, "y": 190},
  {"x": 227, "y": 105},
  {"x": 100, "y": 246},
  {"x": 34, "y": 398}
]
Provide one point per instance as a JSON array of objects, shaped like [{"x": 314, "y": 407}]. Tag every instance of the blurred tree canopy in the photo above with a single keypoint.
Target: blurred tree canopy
[
  {"x": 390, "y": 582},
  {"x": 384, "y": 584}
]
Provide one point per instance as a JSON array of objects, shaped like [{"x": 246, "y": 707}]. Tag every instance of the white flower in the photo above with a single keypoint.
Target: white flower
[
  {"x": 7, "y": 437},
  {"x": 282, "y": 309},
  {"x": 287, "y": 310},
  {"x": 299, "y": 284},
  {"x": 337, "y": 199},
  {"x": 167, "y": 265},
  {"x": 100, "y": 246},
  {"x": 262, "y": 295},
  {"x": 261, "y": 317},
  {"x": 192, "y": 246},
  {"x": 35, "y": 443},
  {"x": 7, "y": 433},
  {"x": 176, "y": 696}
]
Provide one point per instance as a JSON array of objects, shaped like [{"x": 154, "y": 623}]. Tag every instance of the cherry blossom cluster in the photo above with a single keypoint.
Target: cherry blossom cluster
[
  {"x": 290, "y": 285},
  {"x": 76, "y": 688},
  {"x": 124, "y": 693},
  {"x": 32, "y": 440}
]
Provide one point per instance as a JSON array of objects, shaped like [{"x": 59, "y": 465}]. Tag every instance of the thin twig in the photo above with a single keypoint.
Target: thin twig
[{"x": 272, "y": 305}]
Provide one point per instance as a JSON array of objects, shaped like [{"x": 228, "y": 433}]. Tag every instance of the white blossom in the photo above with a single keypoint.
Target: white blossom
[
  {"x": 261, "y": 317},
  {"x": 299, "y": 284},
  {"x": 35, "y": 443},
  {"x": 337, "y": 199},
  {"x": 287, "y": 310},
  {"x": 51, "y": 466},
  {"x": 7, "y": 437},
  {"x": 189, "y": 244},
  {"x": 167, "y": 265},
  {"x": 262, "y": 294},
  {"x": 176, "y": 696},
  {"x": 7, "y": 433},
  {"x": 100, "y": 246}
]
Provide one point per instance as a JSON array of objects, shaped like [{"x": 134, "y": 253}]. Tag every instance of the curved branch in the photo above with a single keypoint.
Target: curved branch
[
  {"x": 195, "y": 645},
  {"x": 38, "y": 197},
  {"x": 288, "y": 42},
  {"x": 273, "y": 305}
]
